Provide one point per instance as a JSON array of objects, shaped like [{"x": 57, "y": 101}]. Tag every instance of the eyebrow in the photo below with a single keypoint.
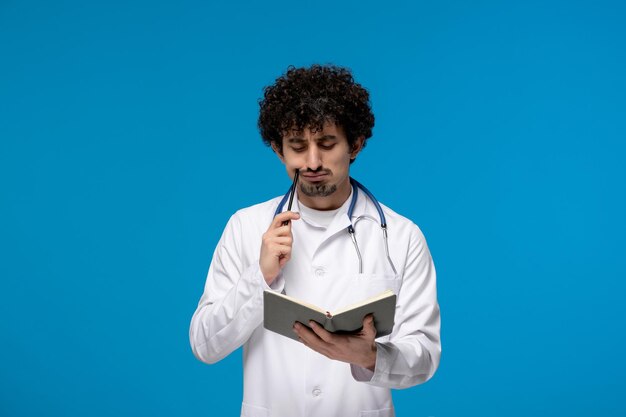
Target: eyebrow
[{"x": 298, "y": 139}]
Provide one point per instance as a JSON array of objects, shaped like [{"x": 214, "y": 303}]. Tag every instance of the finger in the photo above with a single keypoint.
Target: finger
[
  {"x": 280, "y": 241},
  {"x": 311, "y": 340},
  {"x": 281, "y": 251},
  {"x": 307, "y": 335},
  {"x": 316, "y": 348},
  {"x": 321, "y": 332},
  {"x": 272, "y": 234},
  {"x": 283, "y": 260},
  {"x": 280, "y": 231},
  {"x": 283, "y": 217},
  {"x": 368, "y": 325}
]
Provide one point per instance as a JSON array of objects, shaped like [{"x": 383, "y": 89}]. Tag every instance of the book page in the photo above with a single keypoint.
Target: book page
[
  {"x": 384, "y": 294},
  {"x": 302, "y": 303}
]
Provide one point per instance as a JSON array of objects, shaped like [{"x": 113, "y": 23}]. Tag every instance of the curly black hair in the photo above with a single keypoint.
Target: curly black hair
[{"x": 309, "y": 97}]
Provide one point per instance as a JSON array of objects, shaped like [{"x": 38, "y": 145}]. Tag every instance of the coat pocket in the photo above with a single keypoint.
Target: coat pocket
[
  {"x": 369, "y": 285},
  {"x": 249, "y": 410},
  {"x": 383, "y": 412}
]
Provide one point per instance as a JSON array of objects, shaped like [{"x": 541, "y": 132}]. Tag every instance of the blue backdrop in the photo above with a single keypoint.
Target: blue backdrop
[{"x": 128, "y": 137}]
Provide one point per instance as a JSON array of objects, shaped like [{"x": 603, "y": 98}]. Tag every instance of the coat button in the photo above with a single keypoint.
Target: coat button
[{"x": 317, "y": 392}]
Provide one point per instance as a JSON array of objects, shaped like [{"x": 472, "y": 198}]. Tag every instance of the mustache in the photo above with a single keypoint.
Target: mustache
[{"x": 316, "y": 171}]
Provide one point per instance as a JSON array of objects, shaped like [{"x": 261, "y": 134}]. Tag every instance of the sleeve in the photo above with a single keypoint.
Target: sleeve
[
  {"x": 412, "y": 354},
  {"x": 231, "y": 307}
]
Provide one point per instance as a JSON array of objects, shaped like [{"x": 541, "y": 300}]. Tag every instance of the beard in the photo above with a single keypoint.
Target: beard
[{"x": 317, "y": 190}]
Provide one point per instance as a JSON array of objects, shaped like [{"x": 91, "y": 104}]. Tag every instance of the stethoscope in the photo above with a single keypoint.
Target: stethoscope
[{"x": 355, "y": 193}]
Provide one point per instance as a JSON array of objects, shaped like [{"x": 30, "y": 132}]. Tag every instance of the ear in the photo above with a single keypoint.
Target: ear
[
  {"x": 356, "y": 147},
  {"x": 278, "y": 152}
]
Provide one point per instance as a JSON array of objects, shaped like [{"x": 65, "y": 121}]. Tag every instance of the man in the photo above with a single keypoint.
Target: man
[{"x": 317, "y": 120}]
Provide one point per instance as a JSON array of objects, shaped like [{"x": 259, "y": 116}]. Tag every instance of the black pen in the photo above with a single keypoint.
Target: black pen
[{"x": 293, "y": 191}]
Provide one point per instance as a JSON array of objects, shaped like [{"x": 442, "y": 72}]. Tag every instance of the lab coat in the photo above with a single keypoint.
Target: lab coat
[{"x": 283, "y": 377}]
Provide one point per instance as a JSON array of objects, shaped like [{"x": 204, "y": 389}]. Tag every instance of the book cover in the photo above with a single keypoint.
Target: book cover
[{"x": 280, "y": 312}]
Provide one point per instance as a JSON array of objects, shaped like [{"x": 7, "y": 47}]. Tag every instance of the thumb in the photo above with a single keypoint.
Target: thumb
[{"x": 368, "y": 325}]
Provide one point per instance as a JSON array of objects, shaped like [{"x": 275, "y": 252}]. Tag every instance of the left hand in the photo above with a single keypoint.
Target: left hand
[{"x": 358, "y": 349}]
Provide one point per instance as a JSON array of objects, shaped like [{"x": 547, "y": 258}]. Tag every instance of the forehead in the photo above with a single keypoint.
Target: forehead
[{"x": 329, "y": 129}]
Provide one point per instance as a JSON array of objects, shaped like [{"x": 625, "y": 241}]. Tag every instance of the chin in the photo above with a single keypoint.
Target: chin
[{"x": 318, "y": 190}]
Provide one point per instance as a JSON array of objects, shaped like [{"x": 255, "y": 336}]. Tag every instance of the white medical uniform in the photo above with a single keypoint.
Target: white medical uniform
[{"x": 284, "y": 378}]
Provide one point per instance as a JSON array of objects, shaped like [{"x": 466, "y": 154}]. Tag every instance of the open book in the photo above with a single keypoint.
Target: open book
[{"x": 281, "y": 312}]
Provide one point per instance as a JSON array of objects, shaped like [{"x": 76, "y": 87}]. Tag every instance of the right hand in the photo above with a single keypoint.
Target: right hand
[{"x": 276, "y": 246}]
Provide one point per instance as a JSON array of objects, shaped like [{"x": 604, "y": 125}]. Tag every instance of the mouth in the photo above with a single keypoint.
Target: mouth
[{"x": 315, "y": 177}]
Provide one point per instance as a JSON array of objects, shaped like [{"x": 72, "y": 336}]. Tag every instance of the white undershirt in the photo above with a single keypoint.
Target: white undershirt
[
  {"x": 318, "y": 218},
  {"x": 322, "y": 218}
]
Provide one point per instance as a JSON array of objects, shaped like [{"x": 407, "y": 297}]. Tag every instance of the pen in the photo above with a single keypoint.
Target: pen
[{"x": 293, "y": 191}]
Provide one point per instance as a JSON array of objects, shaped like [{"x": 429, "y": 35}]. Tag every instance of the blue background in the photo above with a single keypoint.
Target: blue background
[{"x": 128, "y": 137}]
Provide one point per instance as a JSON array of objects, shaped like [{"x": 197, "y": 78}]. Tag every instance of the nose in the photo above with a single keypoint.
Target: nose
[{"x": 313, "y": 158}]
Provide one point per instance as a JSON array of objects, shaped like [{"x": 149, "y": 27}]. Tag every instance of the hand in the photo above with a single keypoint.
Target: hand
[
  {"x": 276, "y": 246},
  {"x": 358, "y": 349}
]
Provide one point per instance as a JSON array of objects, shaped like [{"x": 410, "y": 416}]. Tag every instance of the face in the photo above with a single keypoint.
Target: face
[{"x": 323, "y": 158}]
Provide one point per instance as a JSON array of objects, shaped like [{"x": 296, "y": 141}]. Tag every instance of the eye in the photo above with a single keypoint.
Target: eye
[
  {"x": 327, "y": 146},
  {"x": 299, "y": 148}
]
